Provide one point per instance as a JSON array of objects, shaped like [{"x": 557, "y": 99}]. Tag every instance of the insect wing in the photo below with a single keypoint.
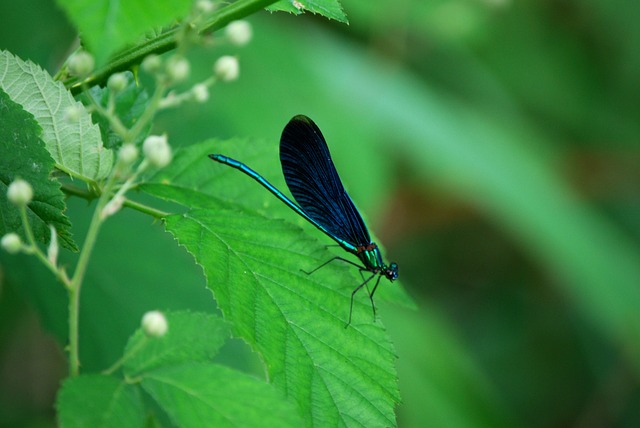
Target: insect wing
[{"x": 314, "y": 182}]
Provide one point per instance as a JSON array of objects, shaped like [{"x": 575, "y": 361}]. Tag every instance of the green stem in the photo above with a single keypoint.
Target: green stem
[
  {"x": 153, "y": 212},
  {"x": 113, "y": 119},
  {"x": 78, "y": 191},
  {"x": 78, "y": 277},
  {"x": 149, "y": 112},
  {"x": 89, "y": 196},
  {"x": 138, "y": 346},
  {"x": 126, "y": 59},
  {"x": 35, "y": 249}
]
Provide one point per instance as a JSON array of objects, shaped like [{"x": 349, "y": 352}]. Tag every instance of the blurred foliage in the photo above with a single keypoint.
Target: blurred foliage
[{"x": 493, "y": 146}]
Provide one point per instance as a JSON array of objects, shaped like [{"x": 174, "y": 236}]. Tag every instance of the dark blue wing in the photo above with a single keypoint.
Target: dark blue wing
[{"x": 314, "y": 182}]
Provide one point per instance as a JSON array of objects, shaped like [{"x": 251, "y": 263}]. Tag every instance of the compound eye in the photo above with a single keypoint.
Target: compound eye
[{"x": 392, "y": 271}]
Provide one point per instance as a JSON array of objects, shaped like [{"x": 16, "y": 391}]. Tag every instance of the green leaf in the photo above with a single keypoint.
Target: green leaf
[
  {"x": 129, "y": 105},
  {"x": 107, "y": 26},
  {"x": 208, "y": 395},
  {"x": 253, "y": 264},
  {"x": 296, "y": 321},
  {"x": 95, "y": 401},
  {"x": 331, "y": 9},
  {"x": 22, "y": 155},
  {"x": 191, "y": 337},
  {"x": 75, "y": 146}
]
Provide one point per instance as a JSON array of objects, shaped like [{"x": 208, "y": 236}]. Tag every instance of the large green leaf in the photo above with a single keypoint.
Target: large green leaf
[
  {"x": 97, "y": 401},
  {"x": 22, "y": 155},
  {"x": 208, "y": 395},
  {"x": 296, "y": 321},
  {"x": 75, "y": 146},
  {"x": 109, "y": 25}
]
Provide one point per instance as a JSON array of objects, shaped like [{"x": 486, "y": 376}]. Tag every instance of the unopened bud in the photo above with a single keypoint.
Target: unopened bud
[
  {"x": 112, "y": 207},
  {"x": 178, "y": 69},
  {"x": 154, "y": 324},
  {"x": 52, "y": 252},
  {"x": 128, "y": 154},
  {"x": 117, "y": 82},
  {"x": 151, "y": 64},
  {"x": 239, "y": 32},
  {"x": 200, "y": 92},
  {"x": 20, "y": 192},
  {"x": 72, "y": 114},
  {"x": 227, "y": 68},
  {"x": 204, "y": 6},
  {"x": 11, "y": 243},
  {"x": 156, "y": 150},
  {"x": 81, "y": 64}
]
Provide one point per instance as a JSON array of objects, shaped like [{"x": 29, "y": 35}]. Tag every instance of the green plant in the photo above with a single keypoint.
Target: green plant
[{"x": 79, "y": 135}]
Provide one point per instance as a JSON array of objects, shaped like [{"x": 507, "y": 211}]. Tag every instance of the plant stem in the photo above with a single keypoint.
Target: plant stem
[
  {"x": 138, "y": 346},
  {"x": 126, "y": 59},
  {"x": 77, "y": 191},
  {"x": 153, "y": 212},
  {"x": 78, "y": 276},
  {"x": 34, "y": 249},
  {"x": 149, "y": 112},
  {"x": 89, "y": 196},
  {"x": 113, "y": 119}
]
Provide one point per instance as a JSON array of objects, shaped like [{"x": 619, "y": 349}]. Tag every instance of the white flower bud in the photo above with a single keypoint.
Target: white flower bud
[
  {"x": 178, "y": 69},
  {"x": 204, "y": 6},
  {"x": 239, "y": 32},
  {"x": 11, "y": 243},
  {"x": 157, "y": 151},
  {"x": 81, "y": 64},
  {"x": 200, "y": 92},
  {"x": 52, "y": 252},
  {"x": 20, "y": 192},
  {"x": 154, "y": 324},
  {"x": 151, "y": 64},
  {"x": 227, "y": 68},
  {"x": 112, "y": 207},
  {"x": 117, "y": 82},
  {"x": 72, "y": 114},
  {"x": 128, "y": 154}
]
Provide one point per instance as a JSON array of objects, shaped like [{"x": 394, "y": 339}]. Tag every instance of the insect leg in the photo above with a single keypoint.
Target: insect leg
[
  {"x": 353, "y": 293},
  {"x": 373, "y": 305},
  {"x": 329, "y": 261}
]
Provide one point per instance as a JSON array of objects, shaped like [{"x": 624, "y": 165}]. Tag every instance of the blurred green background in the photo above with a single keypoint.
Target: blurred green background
[{"x": 493, "y": 146}]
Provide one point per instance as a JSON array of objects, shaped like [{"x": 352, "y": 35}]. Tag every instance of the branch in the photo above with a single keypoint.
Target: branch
[{"x": 128, "y": 58}]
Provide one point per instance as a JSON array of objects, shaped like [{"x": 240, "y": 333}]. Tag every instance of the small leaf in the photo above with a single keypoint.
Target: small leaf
[
  {"x": 97, "y": 401},
  {"x": 331, "y": 9},
  {"x": 22, "y": 155},
  {"x": 191, "y": 337},
  {"x": 107, "y": 26},
  {"x": 75, "y": 145},
  {"x": 208, "y": 395}
]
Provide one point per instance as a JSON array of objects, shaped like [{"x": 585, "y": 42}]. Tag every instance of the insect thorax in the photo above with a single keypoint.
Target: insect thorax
[{"x": 370, "y": 257}]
